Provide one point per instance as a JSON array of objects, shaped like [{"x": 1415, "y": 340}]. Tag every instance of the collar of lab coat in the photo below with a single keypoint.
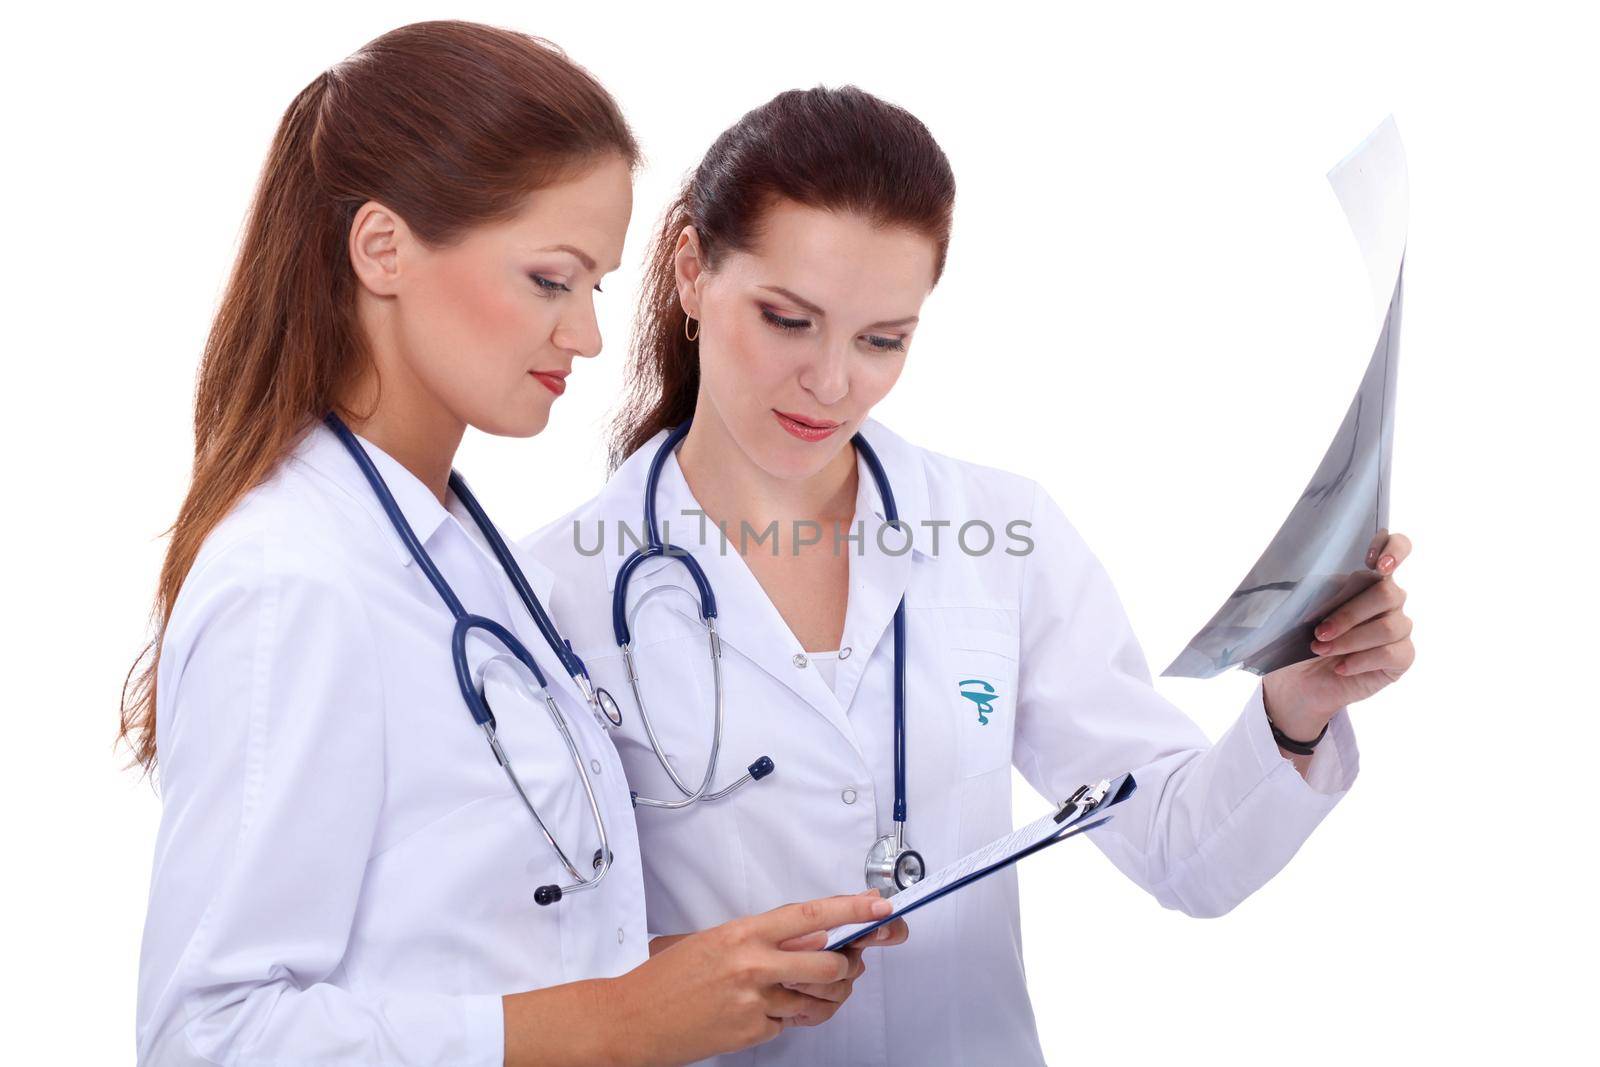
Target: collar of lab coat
[
  {"x": 322, "y": 451},
  {"x": 622, "y": 500}
]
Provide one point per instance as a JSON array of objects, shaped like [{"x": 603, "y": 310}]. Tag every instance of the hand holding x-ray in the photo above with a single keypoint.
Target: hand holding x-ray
[{"x": 1322, "y": 596}]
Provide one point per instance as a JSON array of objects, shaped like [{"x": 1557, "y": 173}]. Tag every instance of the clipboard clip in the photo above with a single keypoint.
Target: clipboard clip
[{"x": 1084, "y": 799}]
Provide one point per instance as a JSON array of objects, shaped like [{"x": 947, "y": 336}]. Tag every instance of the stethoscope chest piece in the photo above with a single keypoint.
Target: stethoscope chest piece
[
  {"x": 607, "y": 706},
  {"x": 891, "y": 866}
]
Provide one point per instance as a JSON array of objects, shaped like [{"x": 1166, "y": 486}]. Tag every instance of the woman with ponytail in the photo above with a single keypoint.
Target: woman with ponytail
[
  {"x": 343, "y": 874},
  {"x": 784, "y": 288}
]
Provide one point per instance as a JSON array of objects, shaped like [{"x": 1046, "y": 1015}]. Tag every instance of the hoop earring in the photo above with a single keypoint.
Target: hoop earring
[{"x": 691, "y": 336}]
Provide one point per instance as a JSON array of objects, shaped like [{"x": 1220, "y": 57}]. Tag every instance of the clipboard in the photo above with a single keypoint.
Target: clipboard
[{"x": 1084, "y": 810}]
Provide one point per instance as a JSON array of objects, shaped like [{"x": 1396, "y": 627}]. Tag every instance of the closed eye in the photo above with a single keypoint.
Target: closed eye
[
  {"x": 783, "y": 322},
  {"x": 549, "y": 286},
  {"x": 887, "y": 344}
]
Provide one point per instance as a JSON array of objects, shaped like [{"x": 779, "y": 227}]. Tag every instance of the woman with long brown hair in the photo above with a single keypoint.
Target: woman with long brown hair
[
  {"x": 346, "y": 872},
  {"x": 850, "y": 567}
]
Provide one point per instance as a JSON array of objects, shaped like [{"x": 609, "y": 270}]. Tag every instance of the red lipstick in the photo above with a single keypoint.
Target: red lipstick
[
  {"x": 555, "y": 381},
  {"x": 804, "y": 428}
]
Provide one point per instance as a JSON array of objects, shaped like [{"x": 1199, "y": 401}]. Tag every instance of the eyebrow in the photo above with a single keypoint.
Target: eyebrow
[
  {"x": 807, "y": 305},
  {"x": 583, "y": 257}
]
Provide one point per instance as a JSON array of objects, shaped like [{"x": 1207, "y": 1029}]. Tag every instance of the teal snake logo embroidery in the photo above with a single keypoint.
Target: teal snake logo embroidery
[{"x": 983, "y": 696}]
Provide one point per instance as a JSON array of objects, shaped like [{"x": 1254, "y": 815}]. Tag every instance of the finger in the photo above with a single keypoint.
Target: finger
[
  {"x": 888, "y": 935},
  {"x": 1380, "y": 597},
  {"x": 1394, "y": 658},
  {"x": 815, "y": 1013},
  {"x": 807, "y": 968},
  {"x": 1385, "y": 629},
  {"x": 834, "y": 992},
  {"x": 1393, "y": 553},
  {"x": 785, "y": 1004},
  {"x": 806, "y": 942},
  {"x": 818, "y": 1013},
  {"x": 825, "y": 913},
  {"x": 1375, "y": 546},
  {"x": 854, "y": 966}
]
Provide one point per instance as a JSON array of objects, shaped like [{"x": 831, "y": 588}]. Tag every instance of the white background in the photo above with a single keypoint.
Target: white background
[{"x": 1152, "y": 305}]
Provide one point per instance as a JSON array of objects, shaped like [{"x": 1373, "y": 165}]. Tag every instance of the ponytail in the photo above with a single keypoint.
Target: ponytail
[
  {"x": 664, "y": 367},
  {"x": 282, "y": 343}
]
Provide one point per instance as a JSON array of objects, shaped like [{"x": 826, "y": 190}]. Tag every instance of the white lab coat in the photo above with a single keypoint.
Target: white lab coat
[
  {"x": 343, "y": 873},
  {"x": 1208, "y": 825}
]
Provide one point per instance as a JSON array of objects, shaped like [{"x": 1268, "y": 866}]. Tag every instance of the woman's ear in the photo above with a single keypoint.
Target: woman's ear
[
  {"x": 377, "y": 236},
  {"x": 687, "y": 267}
]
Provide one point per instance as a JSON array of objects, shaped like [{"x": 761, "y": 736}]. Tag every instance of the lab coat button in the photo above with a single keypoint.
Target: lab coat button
[
  {"x": 620, "y": 936},
  {"x": 844, "y": 653},
  {"x": 848, "y": 796},
  {"x": 594, "y": 765},
  {"x": 800, "y": 659}
]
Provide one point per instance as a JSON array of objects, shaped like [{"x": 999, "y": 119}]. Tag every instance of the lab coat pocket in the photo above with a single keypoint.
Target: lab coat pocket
[{"x": 981, "y": 694}]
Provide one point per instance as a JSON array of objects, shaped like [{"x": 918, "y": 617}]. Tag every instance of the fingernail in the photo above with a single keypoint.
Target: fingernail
[
  {"x": 881, "y": 906},
  {"x": 1319, "y": 647},
  {"x": 1324, "y": 631},
  {"x": 1385, "y": 563}
]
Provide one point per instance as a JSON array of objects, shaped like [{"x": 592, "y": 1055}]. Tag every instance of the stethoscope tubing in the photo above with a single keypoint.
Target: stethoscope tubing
[
  {"x": 465, "y": 623},
  {"x": 621, "y": 620},
  {"x": 891, "y": 514}
]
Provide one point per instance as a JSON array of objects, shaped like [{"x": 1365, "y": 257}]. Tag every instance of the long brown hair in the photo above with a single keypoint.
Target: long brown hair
[
  {"x": 449, "y": 124},
  {"x": 833, "y": 149}
]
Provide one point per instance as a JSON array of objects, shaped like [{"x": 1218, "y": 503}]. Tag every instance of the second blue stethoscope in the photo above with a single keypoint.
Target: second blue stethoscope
[
  {"x": 600, "y": 702},
  {"x": 891, "y": 864}
]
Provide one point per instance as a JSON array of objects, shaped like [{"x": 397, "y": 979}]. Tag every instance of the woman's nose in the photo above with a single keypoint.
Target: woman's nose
[
  {"x": 828, "y": 377},
  {"x": 579, "y": 330}
]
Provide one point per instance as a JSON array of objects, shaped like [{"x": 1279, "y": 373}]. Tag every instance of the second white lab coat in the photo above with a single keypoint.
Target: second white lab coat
[
  {"x": 1072, "y": 703},
  {"x": 343, "y": 874}
]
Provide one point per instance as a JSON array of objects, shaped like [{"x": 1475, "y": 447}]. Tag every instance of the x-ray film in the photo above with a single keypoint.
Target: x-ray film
[{"x": 1318, "y": 559}]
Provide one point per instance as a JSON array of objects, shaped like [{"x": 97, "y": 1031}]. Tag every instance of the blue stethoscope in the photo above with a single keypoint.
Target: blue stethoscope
[
  {"x": 891, "y": 865},
  {"x": 600, "y": 702}
]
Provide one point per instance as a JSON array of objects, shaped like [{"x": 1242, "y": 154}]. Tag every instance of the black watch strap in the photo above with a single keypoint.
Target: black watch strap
[{"x": 1289, "y": 744}]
